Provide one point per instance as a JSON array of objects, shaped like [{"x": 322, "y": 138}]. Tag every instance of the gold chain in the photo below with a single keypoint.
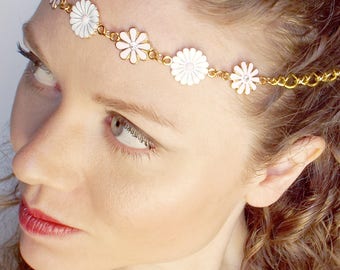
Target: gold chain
[
  {"x": 163, "y": 59},
  {"x": 213, "y": 73},
  {"x": 64, "y": 5},
  {"x": 292, "y": 81},
  {"x": 113, "y": 36}
]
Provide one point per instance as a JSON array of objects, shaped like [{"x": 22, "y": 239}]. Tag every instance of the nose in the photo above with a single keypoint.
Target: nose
[{"x": 53, "y": 155}]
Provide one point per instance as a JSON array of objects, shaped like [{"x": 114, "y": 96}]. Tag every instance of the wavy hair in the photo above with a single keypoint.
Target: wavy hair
[{"x": 300, "y": 230}]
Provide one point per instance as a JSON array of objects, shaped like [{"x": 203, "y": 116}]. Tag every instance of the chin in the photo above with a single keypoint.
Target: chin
[{"x": 40, "y": 256}]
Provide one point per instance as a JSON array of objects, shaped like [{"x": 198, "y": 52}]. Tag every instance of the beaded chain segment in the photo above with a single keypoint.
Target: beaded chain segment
[{"x": 189, "y": 66}]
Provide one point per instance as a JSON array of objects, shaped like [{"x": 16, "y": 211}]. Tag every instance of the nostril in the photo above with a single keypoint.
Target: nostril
[{"x": 58, "y": 87}]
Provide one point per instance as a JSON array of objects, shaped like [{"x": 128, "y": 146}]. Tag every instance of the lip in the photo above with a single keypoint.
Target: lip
[{"x": 36, "y": 222}]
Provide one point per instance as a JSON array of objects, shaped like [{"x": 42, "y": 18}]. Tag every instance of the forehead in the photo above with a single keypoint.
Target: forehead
[{"x": 170, "y": 27}]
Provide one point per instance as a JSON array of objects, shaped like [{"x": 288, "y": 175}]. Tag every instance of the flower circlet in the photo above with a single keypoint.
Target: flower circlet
[
  {"x": 188, "y": 66},
  {"x": 55, "y": 3},
  {"x": 84, "y": 18},
  {"x": 244, "y": 78},
  {"x": 133, "y": 46}
]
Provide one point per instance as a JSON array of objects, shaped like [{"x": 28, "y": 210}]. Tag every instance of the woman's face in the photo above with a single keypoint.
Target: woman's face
[{"x": 157, "y": 198}]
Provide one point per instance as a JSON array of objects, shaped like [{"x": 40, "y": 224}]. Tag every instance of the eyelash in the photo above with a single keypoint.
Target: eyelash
[
  {"x": 35, "y": 62},
  {"x": 136, "y": 132},
  {"x": 115, "y": 144}
]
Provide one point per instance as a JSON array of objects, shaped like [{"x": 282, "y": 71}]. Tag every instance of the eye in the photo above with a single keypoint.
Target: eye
[
  {"x": 44, "y": 76},
  {"x": 40, "y": 72},
  {"x": 128, "y": 135}
]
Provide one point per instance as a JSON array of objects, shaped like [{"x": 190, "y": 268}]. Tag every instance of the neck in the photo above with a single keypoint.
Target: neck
[{"x": 223, "y": 252}]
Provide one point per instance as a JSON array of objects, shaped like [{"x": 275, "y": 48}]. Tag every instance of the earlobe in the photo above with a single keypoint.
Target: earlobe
[{"x": 273, "y": 181}]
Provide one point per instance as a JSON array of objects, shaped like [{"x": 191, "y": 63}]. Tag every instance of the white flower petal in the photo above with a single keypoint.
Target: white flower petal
[
  {"x": 235, "y": 77},
  {"x": 236, "y": 84},
  {"x": 122, "y": 45},
  {"x": 175, "y": 72},
  {"x": 192, "y": 54},
  {"x": 179, "y": 76},
  {"x": 125, "y": 54},
  {"x": 54, "y": 3},
  {"x": 240, "y": 90},
  {"x": 189, "y": 80},
  {"x": 142, "y": 55},
  {"x": 78, "y": 7},
  {"x": 238, "y": 70},
  {"x": 76, "y": 13},
  {"x": 133, "y": 57},
  {"x": 124, "y": 36},
  {"x": 184, "y": 79},
  {"x": 93, "y": 26},
  {"x": 86, "y": 7},
  {"x": 180, "y": 56},
  {"x": 250, "y": 68},
  {"x": 141, "y": 38},
  {"x": 133, "y": 34},
  {"x": 254, "y": 73},
  {"x": 247, "y": 89},
  {"x": 255, "y": 79},
  {"x": 244, "y": 67},
  {"x": 144, "y": 46},
  {"x": 197, "y": 78},
  {"x": 91, "y": 9},
  {"x": 186, "y": 54},
  {"x": 199, "y": 57},
  {"x": 252, "y": 86}
]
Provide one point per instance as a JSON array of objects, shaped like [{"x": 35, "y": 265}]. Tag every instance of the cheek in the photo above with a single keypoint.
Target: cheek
[
  {"x": 179, "y": 208},
  {"x": 30, "y": 111}
]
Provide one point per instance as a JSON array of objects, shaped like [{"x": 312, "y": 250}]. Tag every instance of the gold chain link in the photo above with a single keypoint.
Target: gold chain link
[
  {"x": 163, "y": 59},
  {"x": 292, "y": 81},
  {"x": 213, "y": 73},
  {"x": 113, "y": 36},
  {"x": 64, "y": 5}
]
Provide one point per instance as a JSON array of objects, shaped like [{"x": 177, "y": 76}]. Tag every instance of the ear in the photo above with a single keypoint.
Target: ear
[{"x": 270, "y": 183}]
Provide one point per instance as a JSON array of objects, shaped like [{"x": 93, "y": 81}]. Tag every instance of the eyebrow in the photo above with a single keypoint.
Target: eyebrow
[
  {"x": 147, "y": 112},
  {"x": 28, "y": 32},
  {"x": 120, "y": 105}
]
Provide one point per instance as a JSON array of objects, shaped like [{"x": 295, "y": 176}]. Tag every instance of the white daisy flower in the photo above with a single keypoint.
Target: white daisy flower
[
  {"x": 54, "y": 3},
  {"x": 244, "y": 78},
  {"x": 189, "y": 66},
  {"x": 133, "y": 45},
  {"x": 84, "y": 18}
]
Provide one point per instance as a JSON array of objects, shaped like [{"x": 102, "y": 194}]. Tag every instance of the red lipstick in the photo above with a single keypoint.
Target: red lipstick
[{"x": 36, "y": 222}]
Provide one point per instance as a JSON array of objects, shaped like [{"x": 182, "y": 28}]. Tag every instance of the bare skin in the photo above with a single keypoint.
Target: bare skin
[{"x": 179, "y": 206}]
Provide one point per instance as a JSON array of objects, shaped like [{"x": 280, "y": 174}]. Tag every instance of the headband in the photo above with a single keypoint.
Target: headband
[{"x": 189, "y": 66}]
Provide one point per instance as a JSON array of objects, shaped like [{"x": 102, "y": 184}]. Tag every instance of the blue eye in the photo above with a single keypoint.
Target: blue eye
[{"x": 128, "y": 135}]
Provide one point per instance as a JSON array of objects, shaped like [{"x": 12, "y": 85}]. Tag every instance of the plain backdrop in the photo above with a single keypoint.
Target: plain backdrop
[{"x": 13, "y": 14}]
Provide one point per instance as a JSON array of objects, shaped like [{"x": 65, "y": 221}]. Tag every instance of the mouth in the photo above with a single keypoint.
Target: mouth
[{"x": 36, "y": 222}]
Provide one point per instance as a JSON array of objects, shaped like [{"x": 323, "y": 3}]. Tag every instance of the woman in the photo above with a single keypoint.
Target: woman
[{"x": 130, "y": 157}]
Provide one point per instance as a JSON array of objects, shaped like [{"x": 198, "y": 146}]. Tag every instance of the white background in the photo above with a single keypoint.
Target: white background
[{"x": 13, "y": 14}]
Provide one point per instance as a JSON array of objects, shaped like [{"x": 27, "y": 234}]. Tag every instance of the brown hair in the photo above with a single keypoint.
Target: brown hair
[{"x": 300, "y": 230}]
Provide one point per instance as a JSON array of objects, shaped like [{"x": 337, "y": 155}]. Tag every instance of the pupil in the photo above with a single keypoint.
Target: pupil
[{"x": 116, "y": 126}]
